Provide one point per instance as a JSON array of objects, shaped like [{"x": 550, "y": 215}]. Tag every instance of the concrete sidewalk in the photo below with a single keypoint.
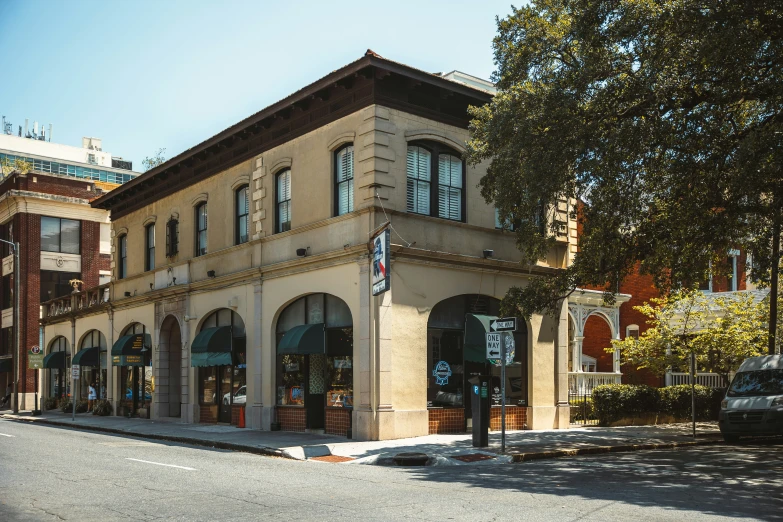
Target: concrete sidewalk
[{"x": 441, "y": 449}]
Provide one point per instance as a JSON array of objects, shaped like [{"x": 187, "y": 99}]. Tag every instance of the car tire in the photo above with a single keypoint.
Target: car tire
[{"x": 730, "y": 439}]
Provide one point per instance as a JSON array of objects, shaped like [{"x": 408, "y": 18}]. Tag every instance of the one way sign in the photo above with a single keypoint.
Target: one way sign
[
  {"x": 506, "y": 324},
  {"x": 493, "y": 345}
]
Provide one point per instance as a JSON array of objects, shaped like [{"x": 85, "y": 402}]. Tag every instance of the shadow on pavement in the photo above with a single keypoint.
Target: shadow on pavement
[{"x": 734, "y": 481}]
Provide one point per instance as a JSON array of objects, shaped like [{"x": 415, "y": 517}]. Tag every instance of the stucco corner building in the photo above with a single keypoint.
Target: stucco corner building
[{"x": 241, "y": 274}]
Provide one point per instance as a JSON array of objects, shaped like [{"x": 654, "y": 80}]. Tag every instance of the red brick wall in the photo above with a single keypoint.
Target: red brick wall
[
  {"x": 641, "y": 289},
  {"x": 235, "y": 412},
  {"x": 59, "y": 186},
  {"x": 90, "y": 248},
  {"x": 516, "y": 418},
  {"x": 447, "y": 420},
  {"x": 291, "y": 419},
  {"x": 207, "y": 414},
  {"x": 338, "y": 421},
  {"x": 598, "y": 336},
  {"x": 27, "y": 230}
]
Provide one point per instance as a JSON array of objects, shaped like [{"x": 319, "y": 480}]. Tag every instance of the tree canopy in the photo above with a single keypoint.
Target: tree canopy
[
  {"x": 150, "y": 162},
  {"x": 665, "y": 117},
  {"x": 722, "y": 330}
]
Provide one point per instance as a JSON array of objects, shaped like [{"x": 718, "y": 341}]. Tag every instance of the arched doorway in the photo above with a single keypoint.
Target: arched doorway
[
  {"x": 57, "y": 361},
  {"x": 133, "y": 354},
  {"x": 220, "y": 354},
  {"x": 314, "y": 336},
  {"x": 91, "y": 358},
  {"x": 169, "y": 395},
  {"x": 456, "y": 353}
]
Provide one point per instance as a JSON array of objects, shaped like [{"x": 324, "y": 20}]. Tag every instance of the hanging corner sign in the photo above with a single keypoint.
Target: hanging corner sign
[
  {"x": 381, "y": 263},
  {"x": 506, "y": 324},
  {"x": 35, "y": 358}
]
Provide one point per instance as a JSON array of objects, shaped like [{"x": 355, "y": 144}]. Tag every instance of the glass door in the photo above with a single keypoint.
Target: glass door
[{"x": 224, "y": 393}]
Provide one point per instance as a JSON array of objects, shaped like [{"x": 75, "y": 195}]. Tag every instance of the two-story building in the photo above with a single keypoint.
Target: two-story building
[{"x": 242, "y": 271}]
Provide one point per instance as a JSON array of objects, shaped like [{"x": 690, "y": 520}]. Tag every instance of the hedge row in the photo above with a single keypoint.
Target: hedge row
[{"x": 613, "y": 402}]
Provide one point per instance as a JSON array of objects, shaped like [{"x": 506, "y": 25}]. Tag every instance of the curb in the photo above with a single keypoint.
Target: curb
[
  {"x": 596, "y": 450},
  {"x": 266, "y": 451}
]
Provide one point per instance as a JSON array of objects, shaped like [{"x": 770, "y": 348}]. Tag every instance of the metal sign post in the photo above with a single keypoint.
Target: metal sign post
[
  {"x": 502, "y": 397},
  {"x": 75, "y": 377}
]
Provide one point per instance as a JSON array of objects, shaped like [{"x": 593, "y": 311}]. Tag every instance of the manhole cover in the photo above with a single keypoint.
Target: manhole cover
[
  {"x": 410, "y": 459},
  {"x": 473, "y": 457},
  {"x": 332, "y": 458}
]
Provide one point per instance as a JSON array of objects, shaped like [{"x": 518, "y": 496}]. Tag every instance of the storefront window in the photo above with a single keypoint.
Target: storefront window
[
  {"x": 225, "y": 385},
  {"x": 445, "y": 376},
  {"x": 207, "y": 381},
  {"x": 334, "y": 371},
  {"x": 291, "y": 380},
  {"x": 60, "y": 384}
]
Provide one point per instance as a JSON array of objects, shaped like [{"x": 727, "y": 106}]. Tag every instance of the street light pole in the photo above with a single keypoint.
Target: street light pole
[{"x": 17, "y": 351}]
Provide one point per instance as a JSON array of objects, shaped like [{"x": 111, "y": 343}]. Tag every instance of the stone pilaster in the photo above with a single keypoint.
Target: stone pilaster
[
  {"x": 258, "y": 193},
  {"x": 374, "y": 156}
]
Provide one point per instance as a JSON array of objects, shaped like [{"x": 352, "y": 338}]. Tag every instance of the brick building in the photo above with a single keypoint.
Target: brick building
[{"x": 64, "y": 243}]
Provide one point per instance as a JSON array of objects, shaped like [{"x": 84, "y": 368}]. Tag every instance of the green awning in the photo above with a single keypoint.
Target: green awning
[
  {"x": 211, "y": 347},
  {"x": 87, "y": 357},
  {"x": 55, "y": 360},
  {"x": 476, "y": 328},
  {"x": 127, "y": 351},
  {"x": 303, "y": 339},
  {"x": 6, "y": 365}
]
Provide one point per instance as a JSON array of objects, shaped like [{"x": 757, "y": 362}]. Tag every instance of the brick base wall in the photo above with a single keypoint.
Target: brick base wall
[
  {"x": 451, "y": 420},
  {"x": 207, "y": 414},
  {"x": 516, "y": 418},
  {"x": 235, "y": 410},
  {"x": 292, "y": 419},
  {"x": 338, "y": 421}
]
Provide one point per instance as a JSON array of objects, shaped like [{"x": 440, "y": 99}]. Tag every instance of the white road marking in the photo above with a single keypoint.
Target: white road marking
[
  {"x": 161, "y": 464},
  {"x": 6, "y": 435}
]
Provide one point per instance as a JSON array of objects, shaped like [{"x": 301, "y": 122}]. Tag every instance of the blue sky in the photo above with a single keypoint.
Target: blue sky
[{"x": 147, "y": 74}]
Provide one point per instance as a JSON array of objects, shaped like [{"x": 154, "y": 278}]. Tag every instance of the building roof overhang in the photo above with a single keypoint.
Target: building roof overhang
[{"x": 369, "y": 80}]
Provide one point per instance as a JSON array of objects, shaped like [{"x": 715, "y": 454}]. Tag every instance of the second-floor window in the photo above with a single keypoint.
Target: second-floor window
[
  {"x": 283, "y": 181},
  {"x": 60, "y": 235},
  {"x": 149, "y": 260},
  {"x": 440, "y": 195},
  {"x": 201, "y": 229},
  {"x": 243, "y": 209},
  {"x": 343, "y": 170},
  {"x": 172, "y": 237},
  {"x": 122, "y": 269}
]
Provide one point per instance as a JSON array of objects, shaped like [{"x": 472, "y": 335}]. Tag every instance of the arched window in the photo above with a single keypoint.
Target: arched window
[
  {"x": 59, "y": 383},
  {"x": 283, "y": 200},
  {"x": 92, "y": 359},
  {"x": 222, "y": 384},
  {"x": 122, "y": 255},
  {"x": 201, "y": 229},
  {"x": 343, "y": 173},
  {"x": 442, "y": 195},
  {"x": 149, "y": 254},
  {"x": 136, "y": 384},
  {"x": 242, "y": 211}
]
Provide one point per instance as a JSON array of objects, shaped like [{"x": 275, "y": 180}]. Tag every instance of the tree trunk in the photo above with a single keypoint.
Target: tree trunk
[{"x": 773, "y": 284}]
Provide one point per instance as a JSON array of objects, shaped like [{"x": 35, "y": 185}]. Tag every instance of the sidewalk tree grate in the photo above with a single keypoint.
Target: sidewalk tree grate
[
  {"x": 332, "y": 458},
  {"x": 472, "y": 457}
]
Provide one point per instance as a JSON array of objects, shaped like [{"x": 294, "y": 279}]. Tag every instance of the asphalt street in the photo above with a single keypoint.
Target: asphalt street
[{"x": 50, "y": 473}]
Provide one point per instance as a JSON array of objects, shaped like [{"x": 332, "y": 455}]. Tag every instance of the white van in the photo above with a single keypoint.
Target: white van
[{"x": 754, "y": 401}]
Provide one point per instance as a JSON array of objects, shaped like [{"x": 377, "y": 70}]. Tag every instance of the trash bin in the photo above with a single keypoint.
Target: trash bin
[{"x": 479, "y": 404}]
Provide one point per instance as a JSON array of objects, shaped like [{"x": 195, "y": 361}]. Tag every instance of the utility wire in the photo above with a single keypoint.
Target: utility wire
[{"x": 389, "y": 221}]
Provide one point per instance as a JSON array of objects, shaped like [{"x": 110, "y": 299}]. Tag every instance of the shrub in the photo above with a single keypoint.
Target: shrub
[
  {"x": 582, "y": 409},
  {"x": 616, "y": 401},
  {"x": 613, "y": 402},
  {"x": 65, "y": 405},
  {"x": 50, "y": 403},
  {"x": 81, "y": 406},
  {"x": 102, "y": 407}
]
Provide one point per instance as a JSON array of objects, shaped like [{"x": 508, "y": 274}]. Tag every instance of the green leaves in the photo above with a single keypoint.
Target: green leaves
[
  {"x": 721, "y": 330},
  {"x": 665, "y": 118}
]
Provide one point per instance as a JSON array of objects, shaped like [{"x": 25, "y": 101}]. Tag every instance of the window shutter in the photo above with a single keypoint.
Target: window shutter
[
  {"x": 449, "y": 187},
  {"x": 345, "y": 180},
  {"x": 418, "y": 188}
]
